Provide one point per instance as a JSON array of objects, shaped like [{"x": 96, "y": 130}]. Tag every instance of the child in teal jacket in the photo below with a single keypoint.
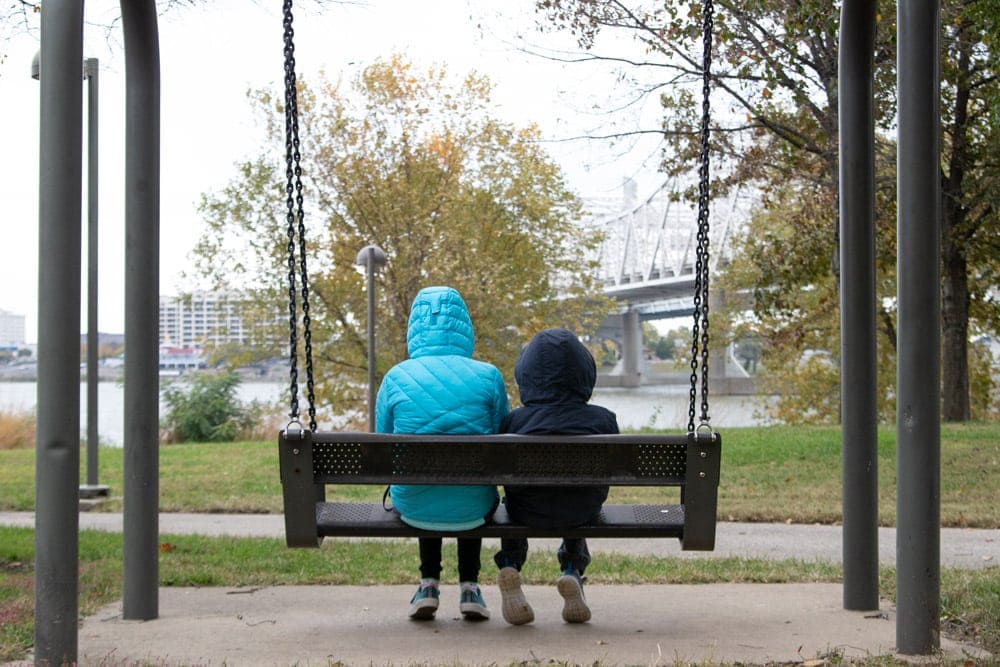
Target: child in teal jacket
[{"x": 442, "y": 390}]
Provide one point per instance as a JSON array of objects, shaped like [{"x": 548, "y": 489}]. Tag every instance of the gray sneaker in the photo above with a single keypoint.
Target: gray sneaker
[
  {"x": 570, "y": 587},
  {"x": 514, "y": 605}
]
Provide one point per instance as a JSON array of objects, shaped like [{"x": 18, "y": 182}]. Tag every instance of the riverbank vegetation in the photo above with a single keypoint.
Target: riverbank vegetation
[
  {"x": 775, "y": 473},
  {"x": 17, "y": 429}
]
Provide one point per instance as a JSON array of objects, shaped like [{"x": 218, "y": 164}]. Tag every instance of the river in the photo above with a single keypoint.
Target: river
[{"x": 658, "y": 406}]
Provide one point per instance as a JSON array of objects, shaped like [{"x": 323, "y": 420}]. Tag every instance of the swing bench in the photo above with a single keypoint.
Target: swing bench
[{"x": 310, "y": 460}]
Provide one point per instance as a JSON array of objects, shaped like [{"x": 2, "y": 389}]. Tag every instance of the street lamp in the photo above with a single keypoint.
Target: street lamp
[
  {"x": 90, "y": 68},
  {"x": 372, "y": 258}
]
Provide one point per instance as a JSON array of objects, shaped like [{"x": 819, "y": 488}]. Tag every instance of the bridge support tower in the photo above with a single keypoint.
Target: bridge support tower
[{"x": 631, "y": 348}]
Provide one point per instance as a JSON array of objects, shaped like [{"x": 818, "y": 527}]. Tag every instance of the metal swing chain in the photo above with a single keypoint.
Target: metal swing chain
[
  {"x": 699, "y": 347},
  {"x": 295, "y": 219}
]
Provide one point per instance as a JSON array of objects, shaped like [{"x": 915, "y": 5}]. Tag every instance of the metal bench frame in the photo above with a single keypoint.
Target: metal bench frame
[{"x": 310, "y": 461}]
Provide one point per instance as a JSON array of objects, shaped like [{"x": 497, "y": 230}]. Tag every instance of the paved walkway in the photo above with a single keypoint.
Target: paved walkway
[
  {"x": 650, "y": 625},
  {"x": 960, "y": 547}
]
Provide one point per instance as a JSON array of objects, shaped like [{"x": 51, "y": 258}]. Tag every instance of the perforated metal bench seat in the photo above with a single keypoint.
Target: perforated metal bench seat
[
  {"x": 311, "y": 461},
  {"x": 372, "y": 520}
]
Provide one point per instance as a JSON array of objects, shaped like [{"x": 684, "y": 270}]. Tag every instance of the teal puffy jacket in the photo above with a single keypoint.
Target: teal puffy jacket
[{"x": 441, "y": 390}]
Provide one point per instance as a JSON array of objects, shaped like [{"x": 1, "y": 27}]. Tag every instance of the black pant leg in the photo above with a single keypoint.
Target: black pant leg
[
  {"x": 468, "y": 558},
  {"x": 513, "y": 553},
  {"x": 430, "y": 557}
]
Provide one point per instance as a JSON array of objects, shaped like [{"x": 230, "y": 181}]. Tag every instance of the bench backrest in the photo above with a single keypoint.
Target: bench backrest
[{"x": 632, "y": 460}]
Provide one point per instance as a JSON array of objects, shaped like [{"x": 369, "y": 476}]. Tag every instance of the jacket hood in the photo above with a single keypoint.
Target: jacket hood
[
  {"x": 555, "y": 367},
  {"x": 439, "y": 324}
]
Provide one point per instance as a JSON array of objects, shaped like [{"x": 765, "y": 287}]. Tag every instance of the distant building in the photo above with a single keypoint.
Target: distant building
[
  {"x": 179, "y": 359},
  {"x": 11, "y": 329},
  {"x": 200, "y": 320}
]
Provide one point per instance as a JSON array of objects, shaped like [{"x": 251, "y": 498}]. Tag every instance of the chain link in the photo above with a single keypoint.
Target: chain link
[
  {"x": 295, "y": 219},
  {"x": 699, "y": 331}
]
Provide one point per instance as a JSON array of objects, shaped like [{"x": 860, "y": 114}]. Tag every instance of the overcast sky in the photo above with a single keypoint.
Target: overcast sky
[{"x": 210, "y": 57}]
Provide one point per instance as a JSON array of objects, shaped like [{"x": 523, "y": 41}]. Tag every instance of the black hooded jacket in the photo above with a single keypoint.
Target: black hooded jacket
[{"x": 555, "y": 376}]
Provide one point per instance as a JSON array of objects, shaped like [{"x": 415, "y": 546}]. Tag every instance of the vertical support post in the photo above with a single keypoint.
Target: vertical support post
[
  {"x": 57, "y": 439},
  {"x": 859, "y": 360},
  {"x": 142, "y": 278},
  {"x": 631, "y": 348},
  {"x": 918, "y": 381},
  {"x": 91, "y": 72}
]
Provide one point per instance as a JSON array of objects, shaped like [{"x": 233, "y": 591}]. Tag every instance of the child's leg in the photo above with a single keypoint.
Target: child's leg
[
  {"x": 471, "y": 602},
  {"x": 469, "y": 549},
  {"x": 573, "y": 553},
  {"x": 513, "y": 553},
  {"x": 430, "y": 557},
  {"x": 574, "y": 556},
  {"x": 424, "y": 602}
]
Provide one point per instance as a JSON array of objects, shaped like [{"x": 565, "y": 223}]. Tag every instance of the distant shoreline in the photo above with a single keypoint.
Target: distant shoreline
[{"x": 117, "y": 374}]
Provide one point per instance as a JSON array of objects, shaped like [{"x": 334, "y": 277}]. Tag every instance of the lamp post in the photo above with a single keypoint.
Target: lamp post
[
  {"x": 90, "y": 69},
  {"x": 372, "y": 258}
]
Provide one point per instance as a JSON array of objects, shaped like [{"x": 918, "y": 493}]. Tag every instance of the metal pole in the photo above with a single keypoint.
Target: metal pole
[
  {"x": 92, "y": 488},
  {"x": 57, "y": 438},
  {"x": 859, "y": 361},
  {"x": 142, "y": 278},
  {"x": 918, "y": 381},
  {"x": 372, "y": 258},
  {"x": 370, "y": 268}
]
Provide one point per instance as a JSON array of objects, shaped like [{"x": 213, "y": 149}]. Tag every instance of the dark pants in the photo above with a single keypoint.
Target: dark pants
[
  {"x": 468, "y": 557},
  {"x": 572, "y": 553}
]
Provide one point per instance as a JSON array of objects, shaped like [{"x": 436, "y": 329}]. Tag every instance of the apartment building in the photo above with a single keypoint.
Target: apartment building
[
  {"x": 11, "y": 329},
  {"x": 200, "y": 320}
]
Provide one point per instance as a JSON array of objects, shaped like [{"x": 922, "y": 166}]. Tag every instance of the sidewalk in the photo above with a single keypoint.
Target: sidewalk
[
  {"x": 650, "y": 624},
  {"x": 964, "y": 548}
]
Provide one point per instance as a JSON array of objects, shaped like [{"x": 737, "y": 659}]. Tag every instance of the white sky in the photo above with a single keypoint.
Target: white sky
[{"x": 210, "y": 57}]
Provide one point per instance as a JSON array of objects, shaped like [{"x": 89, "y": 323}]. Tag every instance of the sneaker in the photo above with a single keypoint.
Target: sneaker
[
  {"x": 570, "y": 587},
  {"x": 514, "y": 605},
  {"x": 471, "y": 604},
  {"x": 425, "y": 602}
]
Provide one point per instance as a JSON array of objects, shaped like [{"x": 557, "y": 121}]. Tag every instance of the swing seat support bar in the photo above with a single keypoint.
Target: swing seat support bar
[{"x": 310, "y": 461}]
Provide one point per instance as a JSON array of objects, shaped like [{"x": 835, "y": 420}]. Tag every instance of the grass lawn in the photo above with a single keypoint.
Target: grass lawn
[{"x": 768, "y": 474}]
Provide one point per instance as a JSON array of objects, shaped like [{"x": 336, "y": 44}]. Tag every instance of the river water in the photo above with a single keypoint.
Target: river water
[{"x": 657, "y": 406}]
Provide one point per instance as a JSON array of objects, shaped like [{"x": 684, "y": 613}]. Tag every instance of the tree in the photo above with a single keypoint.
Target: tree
[
  {"x": 776, "y": 72},
  {"x": 970, "y": 240},
  {"x": 665, "y": 348},
  {"x": 417, "y": 165}
]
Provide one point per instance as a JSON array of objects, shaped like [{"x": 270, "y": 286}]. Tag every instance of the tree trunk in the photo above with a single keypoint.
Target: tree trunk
[{"x": 955, "y": 403}]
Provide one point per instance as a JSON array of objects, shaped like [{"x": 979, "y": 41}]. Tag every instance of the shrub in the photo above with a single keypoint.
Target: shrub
[
  {"x": 206, "y": 410},
  {"x": 262, "y": 420},
  {"x": 17, "y": 429}
]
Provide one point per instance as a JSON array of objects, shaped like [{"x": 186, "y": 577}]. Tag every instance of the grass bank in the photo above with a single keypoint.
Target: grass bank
[
  {"x": 768, "y": 474},
  {"x": 970, "y": 599}
]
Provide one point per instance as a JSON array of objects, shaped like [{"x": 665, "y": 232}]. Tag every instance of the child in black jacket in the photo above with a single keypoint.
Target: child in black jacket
[{"x": 555, "y": 376}]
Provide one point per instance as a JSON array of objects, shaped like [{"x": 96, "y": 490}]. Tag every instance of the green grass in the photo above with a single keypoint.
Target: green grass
[
  {"x": 768, "y": 474},
  {"x": 970, "y": 598}
]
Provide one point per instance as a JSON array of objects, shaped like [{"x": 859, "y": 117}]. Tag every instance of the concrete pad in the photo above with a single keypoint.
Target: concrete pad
[{"x": 359, "y": 625}]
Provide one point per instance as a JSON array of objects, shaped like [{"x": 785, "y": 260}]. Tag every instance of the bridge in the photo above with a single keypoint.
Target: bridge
[{"x": 646, "y": 263}]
